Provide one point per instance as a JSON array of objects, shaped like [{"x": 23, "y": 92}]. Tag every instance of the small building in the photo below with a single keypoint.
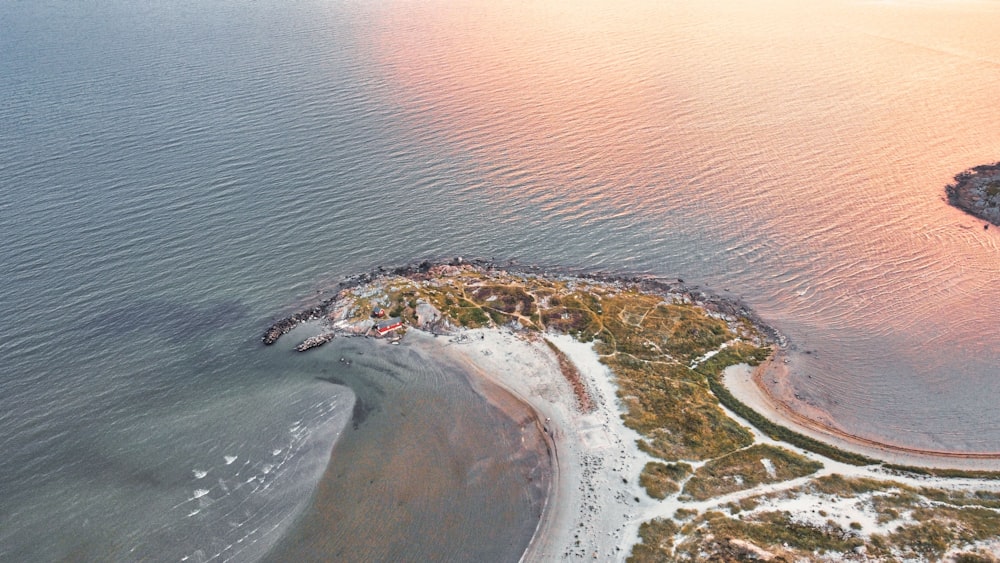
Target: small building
[
  {"x": 378, "y": 312},
  {"x": 384, "y": 327}
]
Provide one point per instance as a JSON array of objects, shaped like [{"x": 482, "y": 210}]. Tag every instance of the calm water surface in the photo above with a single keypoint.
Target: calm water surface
[{"x": 173, "y": 175}]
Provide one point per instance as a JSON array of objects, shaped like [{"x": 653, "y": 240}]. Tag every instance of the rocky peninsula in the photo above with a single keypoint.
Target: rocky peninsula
[
  {"x": 977, "y": 192},
  {"x": 643, "y": 388}
]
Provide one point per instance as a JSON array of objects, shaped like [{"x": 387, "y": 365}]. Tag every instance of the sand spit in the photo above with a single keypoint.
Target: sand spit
[{"x": 746, "y": 384}]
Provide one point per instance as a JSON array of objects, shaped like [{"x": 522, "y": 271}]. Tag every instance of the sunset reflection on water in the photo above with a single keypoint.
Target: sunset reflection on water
[{"x": 793, "y": 153}]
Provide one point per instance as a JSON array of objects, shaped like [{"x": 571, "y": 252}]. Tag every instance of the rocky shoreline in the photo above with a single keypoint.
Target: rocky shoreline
[
  {"x": 977, "y": 192},
  {"x": 330, "y": 310}
]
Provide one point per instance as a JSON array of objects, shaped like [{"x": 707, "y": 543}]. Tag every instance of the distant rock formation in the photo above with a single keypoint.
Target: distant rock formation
[{"x": 977, "y": 192}]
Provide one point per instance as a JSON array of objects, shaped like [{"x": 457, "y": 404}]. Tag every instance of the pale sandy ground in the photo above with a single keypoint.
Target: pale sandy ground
[
  {"x": 593, "y": 503},
  {"x": 596, "y": 505}
]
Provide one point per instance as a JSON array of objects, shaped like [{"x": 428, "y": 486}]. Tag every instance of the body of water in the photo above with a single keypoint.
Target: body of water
[{"x": 173, "y": 175}]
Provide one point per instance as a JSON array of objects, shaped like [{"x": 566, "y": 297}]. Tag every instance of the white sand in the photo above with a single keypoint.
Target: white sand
[{"x": 592, "y": 509}]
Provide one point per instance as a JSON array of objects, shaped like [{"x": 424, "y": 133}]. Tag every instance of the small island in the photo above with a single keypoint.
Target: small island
[
  {"x": 634, "y": 384},
  {"x": 977, "y": 192}
]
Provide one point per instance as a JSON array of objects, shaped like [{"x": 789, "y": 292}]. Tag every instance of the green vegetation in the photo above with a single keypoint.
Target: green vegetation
[
  {"x": 685, "y": 514},
  {"x": 938, "y": 529},
  {"x": 746, "y": 469},
  {"x": 648, "y": 345},
  {"x": 508, "y": 299},
  {"x": 926, "y": 523},
  {"x": 950, "y": 473},
  {"x": 680, "y": 418},
  {"x": 969, "y": 557},
  {"x": 838, "y": 485},
  {"x": 985, "y": 499},
  {"x": 645, "y": 327},
  {"x": 470, "y": 315},
  {"x": 661, "y": 480}
]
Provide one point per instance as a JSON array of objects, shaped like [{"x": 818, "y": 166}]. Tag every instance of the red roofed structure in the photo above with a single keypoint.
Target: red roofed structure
[{"x": 387, "y": 326}]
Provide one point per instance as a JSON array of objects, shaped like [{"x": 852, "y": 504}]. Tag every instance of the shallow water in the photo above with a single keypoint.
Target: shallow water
[
  {"x": 174, "y": 175},
  {"x": 422, "y": 477}
]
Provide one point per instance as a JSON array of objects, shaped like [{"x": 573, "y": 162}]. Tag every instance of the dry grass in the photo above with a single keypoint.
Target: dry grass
[
  {"x": 661, "y": 480},
  {"x": 746, "y": 469}
]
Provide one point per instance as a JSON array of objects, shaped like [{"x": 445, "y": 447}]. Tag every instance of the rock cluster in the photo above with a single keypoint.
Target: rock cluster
[
  {"x": 315, "y": 341},
  {"x": 977, "y": 192}
]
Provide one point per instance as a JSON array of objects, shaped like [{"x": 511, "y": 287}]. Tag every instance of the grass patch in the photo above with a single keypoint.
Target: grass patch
[
  {"x": 570, "y": 320},
  {"x": 747, "y": 469},
  {"x": 841, "y": 486},
  {"x": 470, "y": 315},
  {"x": 646, "y": 327},
  {"x": 948, "y": 473},
  {"x": 661, "y": 480},
  {"x": 656, "y": 541},
  {"x": 679, "y": 418},
  {"x": 713, "y": 535},
  {"x": 505, "y": 298},
  {"x": 985, "y": 499},
  {"x": 938, "y": 528}
]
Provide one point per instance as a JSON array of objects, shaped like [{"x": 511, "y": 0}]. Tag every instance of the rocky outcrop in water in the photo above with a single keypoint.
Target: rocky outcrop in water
[
  {"x": 312, "y": 342},
  {"x": 977, "y": 192}
]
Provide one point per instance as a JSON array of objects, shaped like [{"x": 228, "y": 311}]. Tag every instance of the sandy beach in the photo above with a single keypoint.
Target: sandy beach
[{"x": 595, "y": 502}]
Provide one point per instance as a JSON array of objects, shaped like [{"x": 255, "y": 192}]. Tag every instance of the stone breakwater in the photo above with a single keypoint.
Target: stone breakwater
[
  {"x": 977, "y": 192},
  {"x": 327, "y": 309}
]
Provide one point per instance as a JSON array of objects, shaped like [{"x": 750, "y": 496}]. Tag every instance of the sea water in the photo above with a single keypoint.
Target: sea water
[{"x": 174, "y": 175}]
